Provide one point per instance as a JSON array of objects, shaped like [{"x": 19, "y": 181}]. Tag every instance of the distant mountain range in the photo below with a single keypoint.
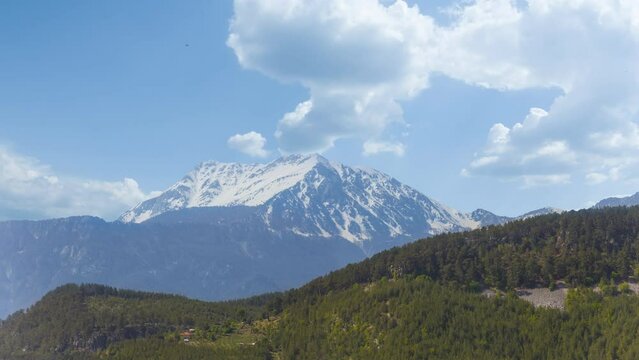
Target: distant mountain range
[
  {"x": 631, "y": 200},
  {"x": 230, "y": 230},
  {"x": 486, "y": 218},
  {"x": 231, "y": 257},
  {"x": 311, "y": 196}
]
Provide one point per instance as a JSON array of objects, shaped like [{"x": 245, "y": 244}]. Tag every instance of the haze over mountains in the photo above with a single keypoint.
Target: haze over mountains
[
  {"x": 631, "y": 200},
  {"x": 228, "y": 231}
]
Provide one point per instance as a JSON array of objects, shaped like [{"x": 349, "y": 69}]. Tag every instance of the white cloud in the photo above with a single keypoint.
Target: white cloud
[
  {"x": 596, "y": 178},
  {"x": 483, "y": 161},
  {"x": 252, "y": 143},
  {"x": 372, "y": 147},
  {"x": 361, "y": 58},
  {"x": 358, "y": 58},
  {"x": 589, "y": 49},
  {"x": 511, "y": 153},
  {"x": 31, "y": 189},
  {"x": 541, "y": 180}
]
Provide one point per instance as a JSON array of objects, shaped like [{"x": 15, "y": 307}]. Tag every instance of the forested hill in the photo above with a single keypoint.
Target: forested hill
[
  {"x": 79, "y": 321},
  {"x": 578, "y": 247},
  {"x": 419, "y": 301}
]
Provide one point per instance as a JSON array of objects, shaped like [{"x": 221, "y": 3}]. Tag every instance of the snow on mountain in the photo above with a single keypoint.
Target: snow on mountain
[
  {"x": 225, "y": 184},
  {"x": 486, "y": 218},
  {"x": 311, "y": 196}
]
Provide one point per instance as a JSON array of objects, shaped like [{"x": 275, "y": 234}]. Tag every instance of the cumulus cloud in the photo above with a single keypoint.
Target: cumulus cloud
[
  {"x": 540, "y": 180},
  {"x": 596, "y": 178},
  {"x": 589, "y": 49},
  {"x": 31, "y": 189},
  {"x": 252, "y": 143},
  {"x": 372, "y": 147},
  {"x": 358, "y": 58}
]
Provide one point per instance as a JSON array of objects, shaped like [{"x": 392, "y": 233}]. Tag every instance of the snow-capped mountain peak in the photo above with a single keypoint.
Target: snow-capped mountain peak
[
  {"x": 311, "y": 196},
  {"x": 214, "y": 183}
]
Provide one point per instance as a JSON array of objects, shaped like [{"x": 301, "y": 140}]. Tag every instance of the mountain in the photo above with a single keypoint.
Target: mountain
[
  {"x": 311, "y": 196},
  {"x": 486, "y": 218},
  {"x": 422, "y": 300},
  {"x": 539, "y": 212},
  {"x": 632, "y": 200},
  {"x": 234, "y": 256},
  {"x": 227, "y": 231}
]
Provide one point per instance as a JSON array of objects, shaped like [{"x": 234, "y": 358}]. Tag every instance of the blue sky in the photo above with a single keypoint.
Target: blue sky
[{"x": 119, "y": 99}]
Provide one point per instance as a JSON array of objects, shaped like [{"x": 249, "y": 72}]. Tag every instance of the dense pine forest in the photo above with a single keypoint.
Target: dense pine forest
[
  {"x": 416, "y": 318},
  {"x": 579, "y": 247},
  {"x": 420, "y": 301}
]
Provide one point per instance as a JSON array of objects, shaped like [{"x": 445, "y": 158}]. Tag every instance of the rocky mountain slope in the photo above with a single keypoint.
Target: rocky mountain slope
[
  {"x": 631, "y": 200},
  {"x": 235, "y": 256},
  {"x": 312, "y": 196}
]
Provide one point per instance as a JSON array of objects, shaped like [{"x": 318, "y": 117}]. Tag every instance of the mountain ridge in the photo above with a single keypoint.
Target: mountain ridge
[
  {"x": 312, "y": 196},
  {"x": 630, "y": 200},
  {"x": 313, "y": 216},
  {"x": 232, "y": 257}
]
